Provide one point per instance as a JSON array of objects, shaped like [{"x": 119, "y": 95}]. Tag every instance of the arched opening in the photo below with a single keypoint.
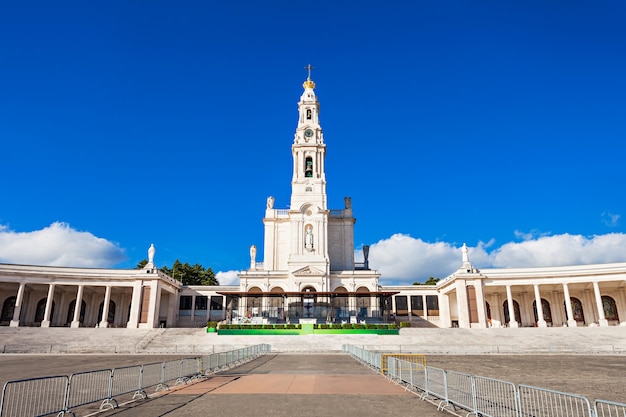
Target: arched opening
[
  {"x": 340, "y": 303},
  {"x": 577, "y": 310},
  {"x": 362, "y": 302},
  {"x": 72, "y": 309},
  {"x": 276, "y": 304},
  {"x": 547, "y": 311},
  {"x": 505, "y": 308},
  {"x": 254, "y": 302},
  {"x": 8, "y": 309},
  {"x": 41, "y": 310},
  {"x": 111, "y": 313},
  {"x": 610, "y": 308},
  {"x": 308, "y": 167},
  {"x": 309, "y": 301}
]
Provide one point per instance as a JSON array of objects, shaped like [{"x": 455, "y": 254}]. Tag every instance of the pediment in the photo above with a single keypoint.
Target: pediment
[{"x": 308, "y": 271}]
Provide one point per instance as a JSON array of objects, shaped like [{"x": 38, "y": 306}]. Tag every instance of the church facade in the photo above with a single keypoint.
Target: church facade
[{"x": 308, "y": 273}]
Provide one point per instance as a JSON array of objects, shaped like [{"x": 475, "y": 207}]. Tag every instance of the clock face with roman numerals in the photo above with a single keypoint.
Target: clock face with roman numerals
[{"x": 308, "y": 133}]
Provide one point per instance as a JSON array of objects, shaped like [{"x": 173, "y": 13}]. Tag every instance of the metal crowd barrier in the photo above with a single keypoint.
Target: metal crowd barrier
[
  {"x": 487, "y": 397},
  {"x": 372, "y": 360},
  {"x": 60, "y": 395},
  {"x": 609, "y": 409}
]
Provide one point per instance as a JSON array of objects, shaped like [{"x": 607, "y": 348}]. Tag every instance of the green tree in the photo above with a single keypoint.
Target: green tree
[
  {"x": 187, "y": 274},
  {"x": 429, "y": 281}
]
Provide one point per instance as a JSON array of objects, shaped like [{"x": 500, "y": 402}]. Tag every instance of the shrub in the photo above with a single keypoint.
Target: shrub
[
  {"x": 324, "y": 326},
  {"x": 279, "y": 326},
  {"x": 371, "y": 326},
  {"x": 212, "y": 324},
  {"x": 290, "y": 326},
  {"x": 346, "y": 326},
  {"x": 256, "y": 326},
  {"x": 405, "y": 324},
  {"x": 268, "y": 326},
  {"x": 359, "y": 326}
]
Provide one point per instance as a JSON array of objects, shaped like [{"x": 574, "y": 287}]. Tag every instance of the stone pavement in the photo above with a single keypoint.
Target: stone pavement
[
  {"x": 327, "y": 384},
  {"x": 310, "y": 376},
  {"x": 286, "y": 385}
]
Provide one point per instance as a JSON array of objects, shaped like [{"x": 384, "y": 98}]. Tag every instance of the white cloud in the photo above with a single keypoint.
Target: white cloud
[
  {"x": 610, "y": 219},
  {"x": 402, "y": 259},
  {"x": 58, "y": 245},
  {"x": 227, "y": 278}
]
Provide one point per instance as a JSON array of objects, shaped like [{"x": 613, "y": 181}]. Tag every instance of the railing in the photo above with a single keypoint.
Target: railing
[
  {"x": 484, "y": 396},
  {"x": 62, "y": 395}
]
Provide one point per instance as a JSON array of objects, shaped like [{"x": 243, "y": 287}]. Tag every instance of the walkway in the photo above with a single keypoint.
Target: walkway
[{"x": 286, "y": 385}]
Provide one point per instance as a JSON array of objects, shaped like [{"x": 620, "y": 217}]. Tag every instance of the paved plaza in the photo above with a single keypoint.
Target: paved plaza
[
  {"x": 327, "y": 384},
  {"x": 309, "y": 374}
]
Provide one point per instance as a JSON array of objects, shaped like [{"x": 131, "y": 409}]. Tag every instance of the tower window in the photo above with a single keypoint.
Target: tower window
[
  {"x": 308, "y": 114},
  {"x": 308, "y": 169}
]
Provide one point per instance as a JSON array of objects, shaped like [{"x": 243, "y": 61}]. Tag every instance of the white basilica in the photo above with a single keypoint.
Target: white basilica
[{"x": 308, "y": 274}]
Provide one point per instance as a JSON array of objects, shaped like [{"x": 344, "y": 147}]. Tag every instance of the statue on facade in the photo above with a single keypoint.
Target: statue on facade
[
  {"x": 465, "y": 254},
  {"x": 270, "y": 202},
  {"x": 151, "y": 252},
  {"x": 308, "y": 238},
  {"x": 348, "y": 202},
  {"x": 253, "y": 257}
]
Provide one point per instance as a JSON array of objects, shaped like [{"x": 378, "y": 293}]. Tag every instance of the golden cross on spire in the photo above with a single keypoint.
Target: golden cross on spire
[{"x": 309, "y": 68}]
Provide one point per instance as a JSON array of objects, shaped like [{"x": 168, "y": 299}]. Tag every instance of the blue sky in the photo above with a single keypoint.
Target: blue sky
[{"x": 498, "y": 124}]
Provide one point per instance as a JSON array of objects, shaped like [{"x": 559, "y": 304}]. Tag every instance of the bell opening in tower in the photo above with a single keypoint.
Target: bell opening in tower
[{"x": 308, "y": 170}]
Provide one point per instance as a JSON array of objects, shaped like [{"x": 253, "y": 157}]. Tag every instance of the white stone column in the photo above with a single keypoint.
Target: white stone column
[
  {"x": 425, "y": 308},
  {"x": 568, "y": 307},
  {"x": 480, "y": 305},
  {"x": 602, "y": 321},
  {"x": 444, "y": 311},
  {"x": 193, "y": 309},
  {"x": 171, "y": 310},
  {"x": 509, "y": 300},
  {"x": 135, "y": 303},
  {"x": 15, "y": 322},
  {"x": 496, "y": 310},
  {"x": 155, "y": 305},
  {"x": 622, "y": 313},
  {"x": 462, "y": 305},
  {"x": 105, "y": 307},
  {"x": 557, "y": 313},
  {"x": 77, "y": 307},
  {"x": 540, "y": 320},
  {"x": 46, "y": 316}
]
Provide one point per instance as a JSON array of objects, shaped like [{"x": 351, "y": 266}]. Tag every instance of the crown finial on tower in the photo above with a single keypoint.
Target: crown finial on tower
[{"x": 308, "y": 83}]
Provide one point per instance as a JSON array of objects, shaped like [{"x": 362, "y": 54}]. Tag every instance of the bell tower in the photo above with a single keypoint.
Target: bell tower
[{"x": 308, "y": 184}]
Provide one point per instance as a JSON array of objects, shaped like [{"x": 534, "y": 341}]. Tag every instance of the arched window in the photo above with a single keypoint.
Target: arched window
[
  {"x": 308, "y": 114},
  {"x": 505, "y": 307},
  {"x": 8, "y": 309},
  {"x": 547, "y": 312},
  {"x": 41, "y": 310},
  {"x": 72, "y": 308},
  {"x": 111, "y": 315},
  {"x": 577, "y": 310},
  {"x": 610, "y": 308}
]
